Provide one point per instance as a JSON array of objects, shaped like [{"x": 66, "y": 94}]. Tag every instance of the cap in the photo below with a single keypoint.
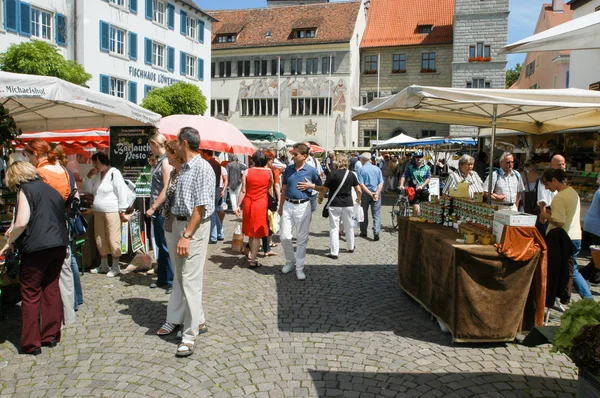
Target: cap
[
  {"x": 365, "y": 155},
  {"x": 418, "y": 154}
]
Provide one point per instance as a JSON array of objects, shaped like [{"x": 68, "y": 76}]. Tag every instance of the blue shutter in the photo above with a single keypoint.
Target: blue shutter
[
  {"x": 61, "y": 30},
  {"x": 147, "y": 89},
  {"x": 133, "y": 6},
  {"x": 104, "y": 33},
  {"x": 133, "y": 46},
  {"x": 183, "y": 20},
  {"x": 24, "y": 19},
  {"x": 133, "y": 92},
  {"x": 11, "y": 12},
  {"x": 149, "y": 10},
  {"x": 147, "y": 51},
  {"x": 171, "y": 16},
  {"x": 201, "y": 31},
  {"x": 170, "y": 59},
  {"x": 200, "y": 69},
  {"x": 182, "y": 66},
  {"x": 104, "y": 84}
]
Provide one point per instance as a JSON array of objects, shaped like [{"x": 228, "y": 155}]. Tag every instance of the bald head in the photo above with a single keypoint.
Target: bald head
[{"x": 558, "y": 162}]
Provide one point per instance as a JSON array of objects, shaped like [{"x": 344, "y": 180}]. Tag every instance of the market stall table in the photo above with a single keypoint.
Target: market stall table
[{"x": 477, "y": 293}]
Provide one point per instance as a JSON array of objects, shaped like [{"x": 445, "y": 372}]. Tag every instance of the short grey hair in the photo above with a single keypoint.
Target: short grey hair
[
  {"x": 504, "y": 155},
  {"x": 466, "y": 159},
  {"x": 234, "y": 158},
  {"x": 192, "y": 136}
]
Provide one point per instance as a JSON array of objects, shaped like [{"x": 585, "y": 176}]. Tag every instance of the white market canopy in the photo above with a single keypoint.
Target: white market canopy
[
  {"x": 531, "y": 111},
  {"x": 395, "y": 141},
  {"x": 42, "y": 103},
  {"x": 578, "y": 34}
]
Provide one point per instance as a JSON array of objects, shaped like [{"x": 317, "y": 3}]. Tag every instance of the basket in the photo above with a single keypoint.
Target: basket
[{"x": 595, "y": 255}]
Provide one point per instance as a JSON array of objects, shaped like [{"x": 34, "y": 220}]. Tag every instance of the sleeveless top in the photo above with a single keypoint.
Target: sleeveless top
[
  {"x": 47, "y": 227},
  {"x": 157, "y": 183}
]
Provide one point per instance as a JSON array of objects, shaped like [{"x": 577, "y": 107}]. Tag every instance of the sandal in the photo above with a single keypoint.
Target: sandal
[
  {"x": 184, "y": 350},
  {"x": 253, "y": 264},
  {"x": 269, "y": 254},
  {"x": 166, "y": 329},
  {"x": 273, "y": 245}
]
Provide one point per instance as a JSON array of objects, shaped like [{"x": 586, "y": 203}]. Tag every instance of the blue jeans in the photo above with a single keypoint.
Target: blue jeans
[
  {"x": 580, "y": 284},
  {"x": 165, "y": 268},
  {"x": 216, "y": 226},
  {"x": 76, "y": 279},
  {"x": 375, "y": 211}
]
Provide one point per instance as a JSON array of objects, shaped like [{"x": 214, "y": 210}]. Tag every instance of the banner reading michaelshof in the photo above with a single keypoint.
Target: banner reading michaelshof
[{"x": 129, "y": 149}]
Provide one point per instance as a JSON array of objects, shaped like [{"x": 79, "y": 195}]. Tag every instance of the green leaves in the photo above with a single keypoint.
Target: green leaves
[
  {"x": 179, "y": 99},
  {"x": 8, "y": 132},
  {"x": 579, "y": 314},
  {"x": 36, "y": 57}
]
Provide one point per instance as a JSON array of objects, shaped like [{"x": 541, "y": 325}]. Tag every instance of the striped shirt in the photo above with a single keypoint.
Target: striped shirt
[
  {"x": 475, "y": 183},
  {"x": 195, "y": 187}
]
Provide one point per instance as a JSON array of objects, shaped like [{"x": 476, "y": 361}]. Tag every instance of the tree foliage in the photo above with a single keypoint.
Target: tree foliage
[
  {"x": 8, "y": 131},
  {"x": 179, "y": 99},
  {"x": 36, "y": 57},
  {"x": 512, "y": 75}
]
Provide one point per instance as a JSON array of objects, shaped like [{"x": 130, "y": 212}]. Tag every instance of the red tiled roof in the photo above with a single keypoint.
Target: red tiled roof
[
  {"x": 334, "y": 23},
  {"x": 395, "y": 23}
]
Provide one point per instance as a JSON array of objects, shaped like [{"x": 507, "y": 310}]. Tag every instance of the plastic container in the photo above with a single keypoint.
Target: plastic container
[{"x": 237, "y": 243}]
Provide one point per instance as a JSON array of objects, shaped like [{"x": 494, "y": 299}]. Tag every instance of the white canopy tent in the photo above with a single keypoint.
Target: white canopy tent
[
  {"x": 395, "y": 141},
  {"x": 531, "y": 111},
  {"x": 42, "y": 103},
  {"x": 578, "y": 34}
]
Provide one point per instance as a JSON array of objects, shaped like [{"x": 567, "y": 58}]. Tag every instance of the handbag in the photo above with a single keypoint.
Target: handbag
[
  {"x": 326, "y": 208},
  {"x": 168, "y": 226},
  {"x": 272, "y": 206}
]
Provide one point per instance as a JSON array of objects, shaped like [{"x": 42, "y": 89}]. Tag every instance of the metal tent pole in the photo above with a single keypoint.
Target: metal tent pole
[{"x": 491, "y": 160}]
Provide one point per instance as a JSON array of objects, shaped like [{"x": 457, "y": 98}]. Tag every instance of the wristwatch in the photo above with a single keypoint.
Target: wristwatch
[{"x": 187, "y": 236}]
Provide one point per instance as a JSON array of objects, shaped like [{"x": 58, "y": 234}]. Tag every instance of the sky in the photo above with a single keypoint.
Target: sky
[{"x": 521, "y": 21}]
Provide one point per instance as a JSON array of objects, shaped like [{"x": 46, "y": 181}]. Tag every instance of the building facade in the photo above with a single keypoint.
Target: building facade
[
  {"x": 291, "y": 69},
  {"x": 128, "y": 46},
  {"x": 584, "y": 71}
]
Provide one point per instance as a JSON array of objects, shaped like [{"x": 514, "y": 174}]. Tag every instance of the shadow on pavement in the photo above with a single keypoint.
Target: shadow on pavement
[
  {"x": 10, "y": 329},
  {"x": 146, "y": 313},
  {"x": 477, "y": 384}
]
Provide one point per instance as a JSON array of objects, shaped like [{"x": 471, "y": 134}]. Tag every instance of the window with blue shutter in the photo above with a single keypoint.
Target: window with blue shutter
[
  {"x": 104, "y": 84},
  {"x": 132, "y": 92},
  {"x": 183, "y": 20},
  {"x": 200, "y": 69},
  {"x": 133, "y": 46},
  {"x": 11, "y": 12},
  {"x": 170, "y": 59},
  {"x": 133, "y": 6},
  {"x": 61, "y": 30},
  {"x": 201, "y": 31},
  {"x": 183, "y": 63},
  {"x": 171, "y": 16},
  {"x": 147, "y": 89},
  {"x": 104, "y": 35},
  {"x": 24, "y": 19},
  {"x": 149, "y": 10},
  {"x": 147, "y": 51}
]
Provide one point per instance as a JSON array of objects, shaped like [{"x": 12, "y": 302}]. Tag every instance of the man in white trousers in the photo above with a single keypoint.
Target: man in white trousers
[{"x": 298, "y": 182}]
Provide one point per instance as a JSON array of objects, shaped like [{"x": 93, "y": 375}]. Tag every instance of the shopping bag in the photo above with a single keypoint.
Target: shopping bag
[
  {"x": 125, "y": 237},
  {"x": 273, "y": 221},
  {"x": 237, "y": 243},
  {"x": 358, "y": 213}
]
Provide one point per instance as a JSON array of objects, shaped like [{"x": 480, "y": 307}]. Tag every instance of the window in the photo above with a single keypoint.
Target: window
[
  {"x": 304, "y": 33},
  {"x": 480, "y": 50},
  {"x": 273, "y": 67},
  {"x": 192, "y": 27},
  {"x": 371, "y": 64},
  {"x": 312, "y": 66},
  {"x": 117, "y": 87},
  {"x": 263, "y": 67},
  {"x": 428, "y": 62},
  {"x": 478, "y": 83},
  {"x": 120, "y": 3},
  {"x": 226, "y": 38},
  {"x": 213, "y": 69},
  {"x": 308, "y": 106},
  {"x": 368, "y": 136},
  {"x": 116, "y": 41},
  {"x": 243, "y": 68},
  {"x": 259, "y": 106},
  {"x": 158, "y": 54},
  {"x": 41, "y": 24},
  {"x": 530, "y": 69},
  {"x": 159, "y": 8},
  {"x": 425, "y": 29},
  {"x": 427, "y": 133},
  {"x": 227, "y": 69},
  {"x": 282, "y": 67},
  {"x": 368, "y": 97},
  {"x": 219, "y": 107},
  {"x": 190, "y": 66},
  {"x": 325, "y": 65},
  {"x": 296, "y": 66},
  {"x": 398, "y": 63}
]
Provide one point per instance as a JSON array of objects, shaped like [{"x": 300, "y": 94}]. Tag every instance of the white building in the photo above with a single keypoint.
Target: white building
[
  {"x": 128, "y": 46},
  {"x": 583, "y": 68}
]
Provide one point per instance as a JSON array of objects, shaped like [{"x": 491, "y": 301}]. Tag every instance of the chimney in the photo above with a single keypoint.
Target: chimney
[{"x": 558, "y": 5}]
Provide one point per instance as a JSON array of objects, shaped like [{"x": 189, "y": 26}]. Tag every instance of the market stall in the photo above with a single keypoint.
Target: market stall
[{"x": 266, "y": 139}]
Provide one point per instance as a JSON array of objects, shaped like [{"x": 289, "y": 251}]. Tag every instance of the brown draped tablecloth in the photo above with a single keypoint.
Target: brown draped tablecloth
[{"x": 479, "y": 294}]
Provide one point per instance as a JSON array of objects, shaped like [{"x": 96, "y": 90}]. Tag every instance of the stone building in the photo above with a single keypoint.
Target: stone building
[{"x": 271, "y": 70}]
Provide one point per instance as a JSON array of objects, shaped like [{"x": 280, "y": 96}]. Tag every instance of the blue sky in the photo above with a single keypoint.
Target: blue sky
[{"x": 521, "y": 22}]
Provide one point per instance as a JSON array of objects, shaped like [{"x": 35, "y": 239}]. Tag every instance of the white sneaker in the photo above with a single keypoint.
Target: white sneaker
[
  {"x": 112, "y": 274},
  {"x": 287, "y": 268},
  {"x": 99, "y": 270},
  {"x": 300, "y": 275}
]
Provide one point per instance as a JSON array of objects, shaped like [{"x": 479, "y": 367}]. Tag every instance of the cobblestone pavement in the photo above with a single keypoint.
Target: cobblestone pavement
[{"x": 348, "y": 330}]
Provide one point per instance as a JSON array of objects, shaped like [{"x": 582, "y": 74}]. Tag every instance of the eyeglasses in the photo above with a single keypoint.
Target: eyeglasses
[{"x": 509, "y": 161}]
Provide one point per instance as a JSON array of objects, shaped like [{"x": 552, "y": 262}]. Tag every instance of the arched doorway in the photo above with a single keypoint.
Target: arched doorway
[{"x": 397, "y": 131}]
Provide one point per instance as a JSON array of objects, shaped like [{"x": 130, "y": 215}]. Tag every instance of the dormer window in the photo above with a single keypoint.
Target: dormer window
[
  {"x": 269, "y": 34},
  {"x": 425, "y": 29},
  {"x": 304, "y": 33},
  {"x": 229, "y": 38}
]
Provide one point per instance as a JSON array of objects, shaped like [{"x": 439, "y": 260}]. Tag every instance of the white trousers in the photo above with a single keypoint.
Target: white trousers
[
  {"x": 185, "y": 302},
  {"x": 345, "y": 215},
  {"x": 233, "y": 196},
  {"x": 295, "y": 216},
  {"x": 67, "y": 289}
]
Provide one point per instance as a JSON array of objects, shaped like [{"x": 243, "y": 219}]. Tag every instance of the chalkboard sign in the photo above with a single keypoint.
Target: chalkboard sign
[{"x": 129, "y": 149}]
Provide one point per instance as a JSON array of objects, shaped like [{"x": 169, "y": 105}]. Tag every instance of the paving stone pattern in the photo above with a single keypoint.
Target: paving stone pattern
[{"x": 347, "y": 331}]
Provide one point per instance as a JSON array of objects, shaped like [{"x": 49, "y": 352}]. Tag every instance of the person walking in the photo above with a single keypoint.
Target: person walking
[
  {"x": 254, "y": 201},
  {"x": 193, "y": 207},
  {"x": 234, "y": 173},
  {"x": 311, "y": 161},
  {"x": 370, "y": 179},
  {"x": 298, "y": 182},
  {"x": 110, "y": 204},
  {"x": 40, "y": 234},
  {"x": 340, "y": 205},
  {"x": 215, "y": 221},
  {"x": 159, "y": 179}
]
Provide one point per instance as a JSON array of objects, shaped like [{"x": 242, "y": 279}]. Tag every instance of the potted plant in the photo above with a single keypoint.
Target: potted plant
[
  {"x": 424, "y": 70},
  {"x": 579, "y": 338},
  {"x": 480, "y": 59}
]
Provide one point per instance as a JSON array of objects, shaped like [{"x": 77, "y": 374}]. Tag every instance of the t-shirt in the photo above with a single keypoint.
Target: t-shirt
[
  {"x": 214, "y": 163},
  {"x": 234, "y": 171},
  {"x": 276, "y": 175},
  {"x": 353, "y": 161},
  {"x": 566, "y": 209},
  {"x": 416, "y": 176},
  {"x": 223, "y": 174},
  {"x": 344, "y": 196}
]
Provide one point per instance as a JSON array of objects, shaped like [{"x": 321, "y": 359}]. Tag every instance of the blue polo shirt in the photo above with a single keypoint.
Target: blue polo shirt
[
  {"x": 291, "y": 178},
  {"x": 370, "y": 176}
]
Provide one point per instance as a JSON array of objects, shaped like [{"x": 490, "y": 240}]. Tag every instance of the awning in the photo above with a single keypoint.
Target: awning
[{"x": 263, "y": 135}]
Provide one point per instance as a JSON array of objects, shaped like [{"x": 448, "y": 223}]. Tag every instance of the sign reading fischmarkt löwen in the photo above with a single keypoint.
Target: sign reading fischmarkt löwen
[{"x": 129, "y": 150}]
